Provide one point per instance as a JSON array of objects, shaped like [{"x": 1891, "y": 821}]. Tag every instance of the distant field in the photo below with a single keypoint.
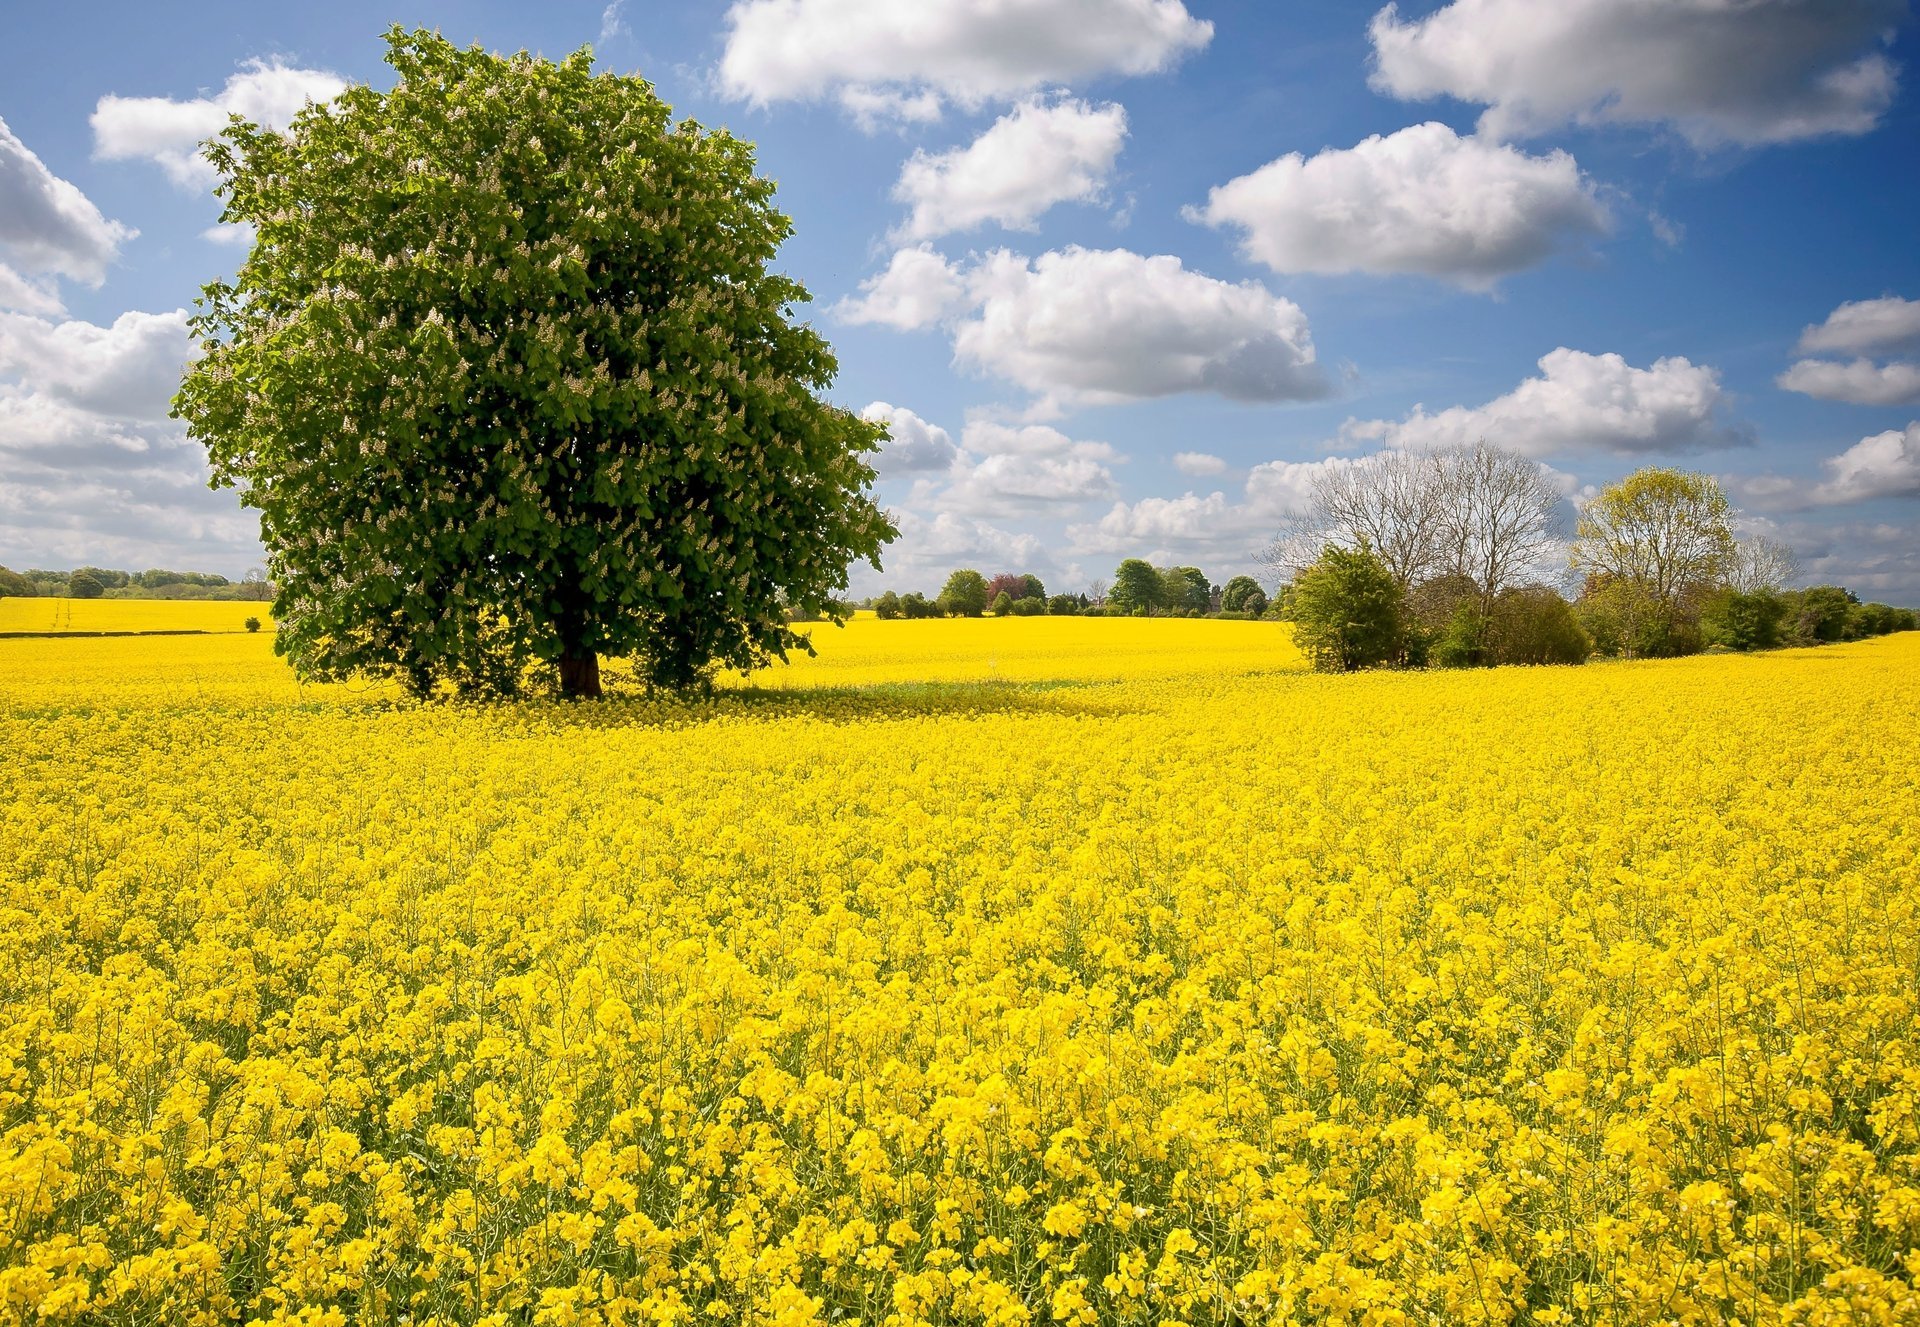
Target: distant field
[
  {"x": 1015, "y": 971},
  {"x": 127, "y": 615}
]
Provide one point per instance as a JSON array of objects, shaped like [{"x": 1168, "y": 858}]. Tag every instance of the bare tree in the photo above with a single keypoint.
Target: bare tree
[
  {"x": 1393, "y": 502},
  {"x": 1497, "y": 521},
  {"x": 1477, "y": 512},
  {"x": 1760, "y": 563}
]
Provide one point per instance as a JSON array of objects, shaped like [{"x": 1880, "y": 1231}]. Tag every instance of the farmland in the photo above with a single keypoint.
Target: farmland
[{"x": 1005, "y": 971}]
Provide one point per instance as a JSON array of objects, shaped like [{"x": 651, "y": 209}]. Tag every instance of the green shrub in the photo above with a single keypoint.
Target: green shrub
[{"x": 1348, "y": 611}]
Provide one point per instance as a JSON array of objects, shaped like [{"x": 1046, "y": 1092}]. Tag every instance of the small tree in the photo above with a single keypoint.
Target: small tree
[
  {"x": 1065, "y": 605},
  {"x": 1137, "y": 587},
  {"x": 1820, "y": 614},
  {"x": 1243, "y": 594},
  {"x": 509, "y": 377},
  {"x": 1749, "y": 620},
  {"x": 1652, "y": 547},
  {"x": 251, "y": 624},
  {"x": 1187, "y": 590},
  {"x": 914, "y": 605},
  {"x": 965, "y": 594},
  {"x": 887, "y": 606},
  {"x": 1759, "y": 563},
  {"x": 14, "y": 585},
  {"x": 1347, "y": 610},
  {"x": 83, "y": 585},
  {"x": 1534, "y": 625},
  {"x": 1002, "y": 604}
]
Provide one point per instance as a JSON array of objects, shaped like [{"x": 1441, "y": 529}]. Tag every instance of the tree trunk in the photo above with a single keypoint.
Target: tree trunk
[{"x": 580, "y": 677}]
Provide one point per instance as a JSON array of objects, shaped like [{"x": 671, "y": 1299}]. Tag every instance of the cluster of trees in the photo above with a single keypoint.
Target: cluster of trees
[
  {"x": 1435, "y": 558},
  {"x": 156, "y": 583},
  {"x": 1139, "y": 590}
]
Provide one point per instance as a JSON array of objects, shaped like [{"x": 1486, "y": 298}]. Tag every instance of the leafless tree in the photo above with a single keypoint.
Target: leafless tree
[
  {"x": 1759, "y": 563},
  {"x": 1497, "y": 517},
  {"x": 1479, "y": 512},
  {"x": 1391, "y": 501}
]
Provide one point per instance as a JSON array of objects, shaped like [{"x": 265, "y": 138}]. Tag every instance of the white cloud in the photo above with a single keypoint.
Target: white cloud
[
  {"x": 126, "y": 371},
  {"x": 1198, "y": 463},
  {"x": 1423, "y": 200},
  {"x": 613, "y": 22},
  {"x": 932, "y": 546},
  {"x": 1037, "y": 155},
  {"x": 1087, "y": 326},
  {"x": 1007, "y": 469},
  {"x": 1862, "y": 327},
  {"x": 873, "y": 107},
  {"x": 25, "y": 295},
  {"x": 96, "y": 472},
  {"x": 962, "y": 50},
  {"x": 1580, "y": 403},
  {"x": 1886, "y": 465},
  {"x": 1718, "y": 71},
  {"x": 918, "y": 289},
  {"x": 1221, "y": 532},
  {"x": 237, "y": 235},
  {"x": 170, "y": 132},
  {"x": 47, "y": 228},
  {"x": 1858, "y": 382},
  {"x": 914, "y": 446}
]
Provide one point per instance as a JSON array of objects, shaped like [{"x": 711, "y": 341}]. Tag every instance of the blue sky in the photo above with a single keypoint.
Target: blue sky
[{"x": 1123, "y": 274}]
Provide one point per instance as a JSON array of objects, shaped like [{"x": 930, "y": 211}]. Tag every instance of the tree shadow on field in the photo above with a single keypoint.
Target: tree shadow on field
[{"x": 877, "y": 702}]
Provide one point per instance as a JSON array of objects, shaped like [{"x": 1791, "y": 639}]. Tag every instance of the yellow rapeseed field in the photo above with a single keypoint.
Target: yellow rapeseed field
[
  {"x": 85, "y": 615},
  {"x": 1007, "y": 972}
]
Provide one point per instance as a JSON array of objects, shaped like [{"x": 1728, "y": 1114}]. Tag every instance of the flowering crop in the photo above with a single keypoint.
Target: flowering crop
[
  {"x": 63, "y": 615},
  {"x": 907, "y": 989}
]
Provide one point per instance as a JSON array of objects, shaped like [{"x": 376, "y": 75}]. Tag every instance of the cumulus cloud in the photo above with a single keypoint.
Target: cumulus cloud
[
  {"x": 1198, "y": 463},
  {"x": 170, "y": 132},
  {"x": 873, "y": 107},
  {"x": 914, "y": 446},
  {"x": 47, "y": 228},
  {"x": 931, "y": 546},
  {"x": 26, "y": 295},
  {"x": 128, "y": 370},
  {"x": 1864, "y": 327},
  {"x": 918, "y": 289},
  {"x": 1717, "y": 72},
  {"x": 96, "y": 472},
  {"x": 1857, "y": 382},
  {"x": 1580, "y": 403},
  {"x": 1423, "y": 200},
  {"x": 1886, "y": 465},
  {"x": 1039, "y": 154},
  {"x": 1086, "y": 326},
  {"x": 870, "y": 51},
  {"x": 1225, "y": 532},
  {"x": 1008, "y": 469}
]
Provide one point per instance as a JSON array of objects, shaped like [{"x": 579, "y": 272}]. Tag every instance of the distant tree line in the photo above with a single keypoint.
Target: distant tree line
[
  {"x": 156, "y": 583},
  {"x": 1434, "y": 558},
  {"x": 1139, "y": 590}
]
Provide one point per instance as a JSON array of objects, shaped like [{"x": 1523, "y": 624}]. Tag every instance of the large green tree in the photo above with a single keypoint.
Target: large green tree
[
  {"x": 1137, "y": 587},
  {"x": 1244, "y": 595},
  {"x": 509, "y": 380},
  {"x": 965, "y": 594}
]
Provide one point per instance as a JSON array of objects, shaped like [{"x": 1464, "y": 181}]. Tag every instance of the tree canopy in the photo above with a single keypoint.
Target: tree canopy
[
  {"x": 509, "y": 380},
  {"x": 1651, "y": 547},
  {"x": 1347, "y": 610}
]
